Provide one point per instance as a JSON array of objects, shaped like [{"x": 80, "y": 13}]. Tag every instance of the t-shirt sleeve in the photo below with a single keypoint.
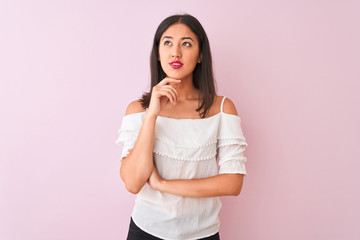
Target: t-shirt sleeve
[
  {"x": 231, "y": 145},
  {"x": 128, "y": 132}
]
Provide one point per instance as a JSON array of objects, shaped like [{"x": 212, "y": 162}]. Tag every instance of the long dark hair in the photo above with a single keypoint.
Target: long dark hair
[{"x": 203, "y": 73}]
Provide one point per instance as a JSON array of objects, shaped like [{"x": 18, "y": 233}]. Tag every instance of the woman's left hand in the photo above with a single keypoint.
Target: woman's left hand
[{"x": 155, "y": 180}]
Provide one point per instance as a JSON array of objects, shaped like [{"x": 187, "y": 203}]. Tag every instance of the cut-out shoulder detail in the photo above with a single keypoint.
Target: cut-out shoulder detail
[
  {"x": 228, "y": 107},
  {"x": 134, "y": 107},
  {"x": 140, "y": 114}
]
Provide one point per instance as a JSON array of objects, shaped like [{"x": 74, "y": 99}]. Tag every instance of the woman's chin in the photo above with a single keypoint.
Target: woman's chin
[{"x": 177, "y": 76}]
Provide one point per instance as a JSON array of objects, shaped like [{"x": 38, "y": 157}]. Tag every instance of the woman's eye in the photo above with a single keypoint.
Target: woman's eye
[{"x": 168, "y": 43}]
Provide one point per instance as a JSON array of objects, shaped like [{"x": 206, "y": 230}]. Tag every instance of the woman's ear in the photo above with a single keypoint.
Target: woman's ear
[{"x": 200, "y": 58}]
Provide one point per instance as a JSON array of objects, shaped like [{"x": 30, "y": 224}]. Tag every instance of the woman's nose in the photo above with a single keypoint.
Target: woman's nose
[{"x": 176, "y": 53}]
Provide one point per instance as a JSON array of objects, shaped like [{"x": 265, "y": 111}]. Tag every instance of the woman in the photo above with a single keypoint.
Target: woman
[{"x": 173, "y": 136}]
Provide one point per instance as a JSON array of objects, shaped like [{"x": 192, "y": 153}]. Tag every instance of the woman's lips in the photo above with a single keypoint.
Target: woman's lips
[{"x": 176, "y": 64}]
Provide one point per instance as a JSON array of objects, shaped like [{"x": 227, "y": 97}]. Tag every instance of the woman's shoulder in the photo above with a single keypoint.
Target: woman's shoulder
[
  {"x": 228, "y": 105},
  {"x": 134, "y": 107}
]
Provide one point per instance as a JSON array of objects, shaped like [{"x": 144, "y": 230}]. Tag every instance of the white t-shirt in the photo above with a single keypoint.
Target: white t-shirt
[{"x": 185, "y": 149}]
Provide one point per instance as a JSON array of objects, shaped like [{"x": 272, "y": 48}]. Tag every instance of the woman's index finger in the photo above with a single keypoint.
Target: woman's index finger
[{"x": 169, "y": 80}]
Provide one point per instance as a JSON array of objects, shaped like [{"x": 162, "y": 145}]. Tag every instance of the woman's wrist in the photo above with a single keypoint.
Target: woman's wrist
[
  {"x": 159, "y": 185},
  {"x": 150, "y": 115},
  {"x": 162, "y": 185}
]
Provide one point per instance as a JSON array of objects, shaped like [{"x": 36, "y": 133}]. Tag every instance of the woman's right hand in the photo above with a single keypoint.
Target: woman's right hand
[{"x": 163, "y": 92}]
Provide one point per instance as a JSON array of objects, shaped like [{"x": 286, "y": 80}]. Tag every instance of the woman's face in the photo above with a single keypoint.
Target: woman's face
[{"x": 178, "y": 43}]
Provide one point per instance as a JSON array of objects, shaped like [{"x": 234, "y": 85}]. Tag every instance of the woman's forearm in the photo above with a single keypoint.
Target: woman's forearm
[
  {"x": 219, "y": 185},
  {"x": 137, "y": 166}
]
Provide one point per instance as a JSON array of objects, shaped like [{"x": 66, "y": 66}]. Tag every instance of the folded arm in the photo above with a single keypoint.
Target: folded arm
[{"x": 219, "y": 185}]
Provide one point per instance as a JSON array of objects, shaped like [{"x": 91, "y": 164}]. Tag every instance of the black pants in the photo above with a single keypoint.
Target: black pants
[{"x": 135, "y": 233}]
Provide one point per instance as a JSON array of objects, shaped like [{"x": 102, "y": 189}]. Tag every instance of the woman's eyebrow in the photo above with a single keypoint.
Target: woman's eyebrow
[{"x": 181, "y": 38}]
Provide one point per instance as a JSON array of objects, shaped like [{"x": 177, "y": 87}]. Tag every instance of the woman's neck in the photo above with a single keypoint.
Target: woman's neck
[{"x": 186, "y": 90}]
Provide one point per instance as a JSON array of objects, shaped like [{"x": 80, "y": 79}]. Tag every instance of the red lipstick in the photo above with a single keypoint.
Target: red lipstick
[{"x": 176, "y": 64}]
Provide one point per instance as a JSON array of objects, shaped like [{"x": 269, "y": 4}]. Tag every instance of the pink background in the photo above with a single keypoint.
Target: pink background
[{"x": 68, "y": 70}]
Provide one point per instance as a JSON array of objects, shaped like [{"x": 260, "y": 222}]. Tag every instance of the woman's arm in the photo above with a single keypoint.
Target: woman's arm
[
  {"x": 134, "y": 176},
  {"x": 137, "y": 167},
  {"x": 219, "y": 185}
]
